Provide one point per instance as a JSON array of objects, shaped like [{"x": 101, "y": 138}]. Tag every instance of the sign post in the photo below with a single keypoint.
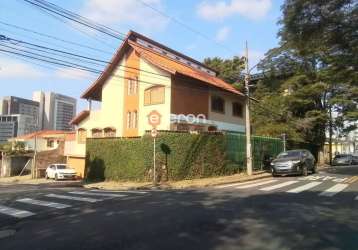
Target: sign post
[{"x": 154, "y": 119}]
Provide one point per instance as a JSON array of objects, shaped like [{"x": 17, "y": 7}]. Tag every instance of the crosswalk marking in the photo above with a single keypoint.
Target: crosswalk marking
[
  {"x": 277, "y": 186},
  {"x": 255, "y": 184},
  {"x": 304, "y": 187},
  {"x": 237, "y": 184},
  {"x": 97, "y": 194},
  {"x": 43, "y": 203},
  {"x": 334, "y": 190},
  {"x": 75, "y": 198},
  {"x": 118, "y": 191},
  {"x": 15, "y": 212}
]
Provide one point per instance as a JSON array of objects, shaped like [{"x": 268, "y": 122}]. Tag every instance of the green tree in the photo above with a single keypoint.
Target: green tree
[
  {"x": 228, "y": 69},
  {"x": 312, "y": 72}
]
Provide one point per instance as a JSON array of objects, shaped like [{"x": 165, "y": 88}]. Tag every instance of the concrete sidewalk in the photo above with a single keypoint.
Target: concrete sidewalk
[{"x": 195, "y": 183}]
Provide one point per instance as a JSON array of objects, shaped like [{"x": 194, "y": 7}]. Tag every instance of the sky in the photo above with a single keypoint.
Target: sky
[{"x": 199, "y": 29}]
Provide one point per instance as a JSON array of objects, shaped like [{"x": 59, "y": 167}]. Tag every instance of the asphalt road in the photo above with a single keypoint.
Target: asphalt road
[{"x": 315, "y": 212}]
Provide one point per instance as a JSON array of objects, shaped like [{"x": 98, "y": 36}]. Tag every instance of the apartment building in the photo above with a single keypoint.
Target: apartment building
[
  {"x": 16, "y": 125},
  {"x": 18, "y": 116},
  {"x": 55, "y": 110}
]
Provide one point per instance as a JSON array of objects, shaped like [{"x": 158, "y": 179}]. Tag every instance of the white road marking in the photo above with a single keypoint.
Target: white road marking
[
  {"x": 44, "y": 203},
  {"x": 15, "y": 212},
  {"x": 119, "y": 191},
  {"x": 334, "y": 190},
  {"x": 98, "y": 194},
  {"x": 277, "y": 186},
  {"x": 255, "y": 184},
  {"x": 75, "y": 198},
  {"x": 304, "y": 187},
  {"x": 237, "y": 184}
]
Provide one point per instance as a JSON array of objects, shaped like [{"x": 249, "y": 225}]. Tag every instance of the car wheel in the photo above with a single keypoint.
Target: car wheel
[
  {"x": 273, "y": 172},
  {"x": 304, "y": 170},
  {"x": 56, "y": 178},
  {"x": 314, "y": 169}
]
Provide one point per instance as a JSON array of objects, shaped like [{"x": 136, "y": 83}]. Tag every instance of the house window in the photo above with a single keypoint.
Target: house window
[
  {"x": 132, "y": 119},
  {"x": 129, "y": 120},
  {"x": 237, "y": 109},
  {"x": 50, "y": 143},
  {"x": 109, "y": 132},
  {"x": 96, "y": 133},
  {"x": 132, "y": 87},
  {"x": 81, "y": 136},
  {"x": 135, "y": 119},
  {"x": 154, "y": 95},
  {"x": 217, "y": 104}
]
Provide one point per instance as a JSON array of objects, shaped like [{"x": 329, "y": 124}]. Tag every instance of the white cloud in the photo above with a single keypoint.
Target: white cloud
[
  {"x": 74, "y": 74},
  {"x": 129, "y": 12},
  {"x": 222, "y": 34},
  {"x": 14, "y": 69},
  {"x": 251, "y": 9}
]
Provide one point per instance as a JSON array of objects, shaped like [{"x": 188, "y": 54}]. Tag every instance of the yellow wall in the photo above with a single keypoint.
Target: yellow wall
[
  {"x": 77, "y": 163},
  {"x": 146, "y": 80},
  {"x": 111, "y": 112}
]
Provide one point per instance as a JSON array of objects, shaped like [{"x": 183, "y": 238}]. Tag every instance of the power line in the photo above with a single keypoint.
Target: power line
[
  {"x": 53, "y": 37},
  {"x": 188, "y": 27},
  {"x": 77, "y": 28},
  {"x": 79, "y": 56},
  {"x": 52, "y": 8},
  {"x": 71, "y": 65}
]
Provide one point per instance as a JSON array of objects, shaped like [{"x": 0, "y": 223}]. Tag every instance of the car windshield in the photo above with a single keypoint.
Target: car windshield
[
  {"x": 289, "y": 154},
  {"x": 342, "y": 156},
  {"x": 61, "y": 166}
]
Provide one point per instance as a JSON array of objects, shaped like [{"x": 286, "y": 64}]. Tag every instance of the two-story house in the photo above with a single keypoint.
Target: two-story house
[{"x": 145, "y": 75}]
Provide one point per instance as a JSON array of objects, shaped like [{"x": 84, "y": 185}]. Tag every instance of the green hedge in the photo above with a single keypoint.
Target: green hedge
[{"x": 186, "y": 156}]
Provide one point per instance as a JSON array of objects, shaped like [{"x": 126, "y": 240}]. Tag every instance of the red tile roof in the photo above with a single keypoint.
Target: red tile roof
[
  {"x": 94, "y": 92},
  {"x": 175, "y": 67},
  {"x": 80, "y": 117},
  {"x": 44, "y": 133}
]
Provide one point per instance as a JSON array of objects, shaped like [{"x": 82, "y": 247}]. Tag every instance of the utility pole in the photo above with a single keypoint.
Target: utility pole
[
  {"x": 34, "y": 167},
  {"x": 247, "y": 114},
  {"x": 330, "y": 134},
  {"x": 284, "y": 142}
]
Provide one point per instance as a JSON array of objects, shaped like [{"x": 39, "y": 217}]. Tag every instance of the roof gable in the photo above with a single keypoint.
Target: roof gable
[{"x": 157, "y": 54}]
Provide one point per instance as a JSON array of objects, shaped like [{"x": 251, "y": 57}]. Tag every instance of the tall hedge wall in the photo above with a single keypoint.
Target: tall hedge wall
[{"x": 186, "y": 156}]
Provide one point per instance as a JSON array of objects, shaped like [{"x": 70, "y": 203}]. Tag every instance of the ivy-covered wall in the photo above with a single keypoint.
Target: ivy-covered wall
[{"x": 178, "y": 156}]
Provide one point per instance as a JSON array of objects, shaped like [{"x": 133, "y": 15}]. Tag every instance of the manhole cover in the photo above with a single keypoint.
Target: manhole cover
[{"x": 6, "y": 233}]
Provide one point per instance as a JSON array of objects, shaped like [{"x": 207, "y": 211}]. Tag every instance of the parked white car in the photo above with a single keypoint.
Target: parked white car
[{"x": 60, "y": 171}]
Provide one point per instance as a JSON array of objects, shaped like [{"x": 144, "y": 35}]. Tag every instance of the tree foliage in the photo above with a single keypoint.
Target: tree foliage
[
  {"x": 228, "y": 69},
  {"x": 314, "y": 70}
]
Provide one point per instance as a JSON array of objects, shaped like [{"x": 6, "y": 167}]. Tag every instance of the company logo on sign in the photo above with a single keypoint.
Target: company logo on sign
[{"x": 154, "y": 118}]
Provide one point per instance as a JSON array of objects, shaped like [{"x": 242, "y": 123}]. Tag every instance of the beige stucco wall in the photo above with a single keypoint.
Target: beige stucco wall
[
  {"x": 227, "y": 117},
  {"x": 146, "y": 80},
  {"x": 110, "y": 113}
]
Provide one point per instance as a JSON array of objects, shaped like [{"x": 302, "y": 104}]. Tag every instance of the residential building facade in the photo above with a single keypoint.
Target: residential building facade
[
  {"x": 55, "y": 110},
  {"x": 144, "y": 76}
]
